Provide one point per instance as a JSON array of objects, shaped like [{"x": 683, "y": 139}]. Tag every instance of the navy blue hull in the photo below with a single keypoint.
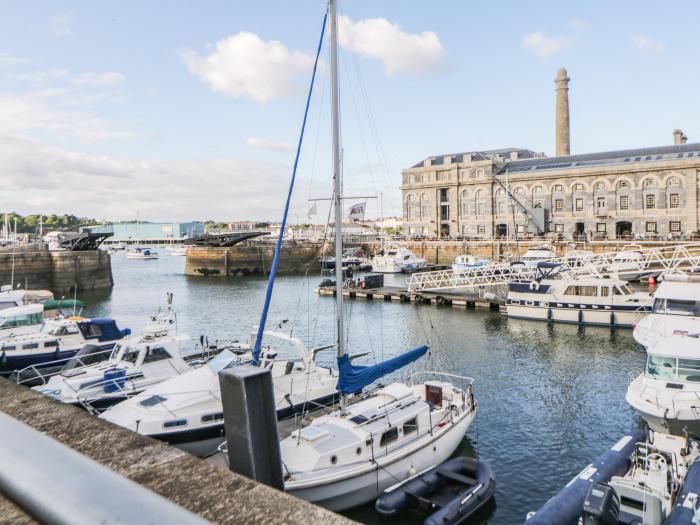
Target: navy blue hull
[{"x": 10, "y": 363}]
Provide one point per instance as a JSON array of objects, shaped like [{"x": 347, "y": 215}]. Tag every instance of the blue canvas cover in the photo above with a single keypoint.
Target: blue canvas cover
[
  {"x": 101, "y": 328},
  {"x": 353, "y": 378}
]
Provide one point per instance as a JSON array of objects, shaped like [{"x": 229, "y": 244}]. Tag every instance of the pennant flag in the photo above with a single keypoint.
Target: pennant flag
[{"x": 357, "y": 211}]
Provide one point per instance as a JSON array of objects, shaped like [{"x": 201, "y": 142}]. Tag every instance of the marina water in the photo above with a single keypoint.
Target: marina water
[{"x": 552, "y": 397}]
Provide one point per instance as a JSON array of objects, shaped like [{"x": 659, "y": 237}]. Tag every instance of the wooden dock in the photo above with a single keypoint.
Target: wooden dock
[{"x": 453, "y": 298}]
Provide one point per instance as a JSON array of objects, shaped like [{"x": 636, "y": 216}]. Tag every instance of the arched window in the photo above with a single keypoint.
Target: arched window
[
  {"x": 410, "y": 207},
  {"x": 424, "y": 206},
  {"x": 464, "y": 204}
]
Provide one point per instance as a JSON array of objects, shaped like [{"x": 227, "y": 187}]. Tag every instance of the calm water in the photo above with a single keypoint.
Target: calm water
[{"x": 552, "y": 397}]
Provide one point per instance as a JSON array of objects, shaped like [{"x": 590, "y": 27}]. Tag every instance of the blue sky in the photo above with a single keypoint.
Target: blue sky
[{"x": 178, "y": 110}]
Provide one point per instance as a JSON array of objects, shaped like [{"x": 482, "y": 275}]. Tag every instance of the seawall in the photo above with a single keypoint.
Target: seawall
[
  {"x": 59, "y": 272},
  {"x": 250, "y": 259}
]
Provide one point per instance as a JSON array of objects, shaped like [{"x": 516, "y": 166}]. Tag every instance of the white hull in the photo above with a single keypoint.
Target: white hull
[
  {"x": 603, "y": 316},
  {"x": 365, "y": 487}
]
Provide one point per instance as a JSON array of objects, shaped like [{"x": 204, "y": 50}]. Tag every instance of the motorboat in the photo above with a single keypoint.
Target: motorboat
[
  {"x": 650, "y": 479},
  {"x": 178, "y": 250},
  {"x": 186, "y": 411},
  {"x": 666, "y": 394},
  {"x": 20, "y": 320},
  {"x": 675, "y": 312},
  {"x": 141, "y": 253},
  {"x": 353, "y": 258},
  {"x": 557, "y": 294},
  {"x": 55, "y": 341},
  {"x": 630, "y": 264},
  {"x": 465, "y": 263},
  {"x": 450, "y": 492},
  {"x": 396, "y": 260},
  {"x": 349, "y": 457},
  {"x": 538, "y": 254}
]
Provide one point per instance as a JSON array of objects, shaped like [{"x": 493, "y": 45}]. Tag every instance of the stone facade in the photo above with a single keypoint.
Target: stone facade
[{"x": 644, "y": 193}]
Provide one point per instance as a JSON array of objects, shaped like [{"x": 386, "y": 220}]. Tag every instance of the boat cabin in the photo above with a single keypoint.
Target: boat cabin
[
  {"x": 677, "y": 298},
  {"x": 675, "y": 360},
  {"x": 21, "y": 316}
]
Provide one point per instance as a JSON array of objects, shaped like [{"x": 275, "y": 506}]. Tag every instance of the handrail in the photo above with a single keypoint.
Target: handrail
[
  {"x": 467, "y": 379},
  {"x": 37, "y": 483}
]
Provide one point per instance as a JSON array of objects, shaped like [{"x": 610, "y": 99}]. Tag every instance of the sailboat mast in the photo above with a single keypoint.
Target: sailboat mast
[{"x": 337, "y": 201}]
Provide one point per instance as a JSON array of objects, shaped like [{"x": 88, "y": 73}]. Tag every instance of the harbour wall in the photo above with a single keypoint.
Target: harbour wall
[
  {"x": 60, "y": 272},
  {"x": 214, "y": 493},
  {"x": 251, "y": 259}
]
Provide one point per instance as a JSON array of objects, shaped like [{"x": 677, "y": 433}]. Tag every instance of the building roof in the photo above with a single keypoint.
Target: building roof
[
  {"x": 679, "y": 151},
  {"x": 438, "y": 160}
]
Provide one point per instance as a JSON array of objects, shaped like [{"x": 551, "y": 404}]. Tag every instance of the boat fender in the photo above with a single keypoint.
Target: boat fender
[
  {"x": 440, "y": 300},
  {"x": 403, "y": 297},
  {"x": 419, "y": 298},
  {"x": 612, "y": 317},
  {"x": 580, "y": 316},
  {"x": 411, "y": 471},
  {"x": 566, "y": 506},
  {"x": 549, "y": 314},
  {"x": 534, "y": 286},
  {"x": 687, "y": 504}
]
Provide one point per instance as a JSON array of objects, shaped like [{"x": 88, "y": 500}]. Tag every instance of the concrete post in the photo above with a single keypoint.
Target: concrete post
[
  {"x": 250, "y": 422},
  {"x": 563, "y": 141}
]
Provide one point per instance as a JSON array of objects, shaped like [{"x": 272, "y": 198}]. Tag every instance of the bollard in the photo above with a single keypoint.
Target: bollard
[{"x": 250, "y": 422}]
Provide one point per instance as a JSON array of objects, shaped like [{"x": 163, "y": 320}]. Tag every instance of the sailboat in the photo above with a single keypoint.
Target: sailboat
[
  {"x": 374, "y": 440},
  {"x": 138, "y": 252}
]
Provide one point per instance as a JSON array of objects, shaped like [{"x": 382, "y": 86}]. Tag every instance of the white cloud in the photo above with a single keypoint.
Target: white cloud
[
  {"x": 577, "y": 25},
  {"x": 88, "y": 79},
  {"x": 62, "y": 24},
  {"x": 400, "y": 52},
  {"x": 648, "y": 44},
  {"x": 271, "y": 145},
  {"x": 108, "y": 78},
  {"x": 245, "y": 65},
  {"x": 43, "y": 76},
  {"x": 543, "y": 46},
  {"x": 7, "y": 59},
  {"x": 37, "y": 177}
]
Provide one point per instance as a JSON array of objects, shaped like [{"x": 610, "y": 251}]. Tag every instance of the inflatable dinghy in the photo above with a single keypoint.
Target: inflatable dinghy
[{"x": 452, "y": 491}]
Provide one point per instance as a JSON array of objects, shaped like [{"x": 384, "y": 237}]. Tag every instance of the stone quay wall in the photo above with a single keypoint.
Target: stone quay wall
[
  {"x": 60, "y": 272},
  {"x": 251, "y": 259}
]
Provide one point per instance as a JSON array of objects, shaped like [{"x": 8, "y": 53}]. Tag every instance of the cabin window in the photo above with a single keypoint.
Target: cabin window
[
  {"x": 661, "y": 367},
  {"x": 410, "y": 426},
  {"x": 585, "y": 291},
  {"x": 30, "y": 346},
  {"x": 389, "y": 436},
  {"x": 604, "y": 291},
  {"x": 175, "y": 423},
  {"x": 22, "y": 320},
  {"x": 49, "y": 344},
  {"x": 676, "y": 307},
  {"x": 156, "y": 354},
  {"x": 130, "y": 356},
  {"x": 211, "y": 418},
  {"x": 689, "y": 370},
  {"x": 433, "y": 395},
  {"x": 8, "y": 347},
  {"x": 91, "y": 330}
]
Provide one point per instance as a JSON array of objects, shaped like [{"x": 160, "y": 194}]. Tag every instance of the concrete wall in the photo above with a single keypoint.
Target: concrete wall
[
  {"x": 251, "y": 259},
  {"x": 57, "y": 271},
  {"x": 213, "y": 493}
]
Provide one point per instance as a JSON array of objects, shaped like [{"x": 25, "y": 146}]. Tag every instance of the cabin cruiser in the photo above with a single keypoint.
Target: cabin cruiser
[
  {"x": 465, "y": 263},
  {"x": 55, "y": 340},
  {"x": 666, "y": 394},
  {"x": 645, "y": 479},
  {"x": 676, "y": 310},
  {"x": 186, "y": 411},
  {"x": 353, "y": 257},
  {"x": 629, "y": 264},
  {"x": 141, "y": 253},
  {"x": 536, "y": 255},
  {"x": 558, "y": 295},
  {"x": 396, "y": 260},
  {"x": 375, "y": 441}
]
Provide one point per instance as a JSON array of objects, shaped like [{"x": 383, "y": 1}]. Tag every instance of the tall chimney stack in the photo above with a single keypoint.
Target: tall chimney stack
[
  {"x": 679, "y": 137},
  {"x": 563, "y": 137}
]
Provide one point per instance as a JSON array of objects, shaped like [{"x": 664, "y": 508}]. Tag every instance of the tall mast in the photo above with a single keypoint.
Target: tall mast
[{"x": 337, "y": 200}]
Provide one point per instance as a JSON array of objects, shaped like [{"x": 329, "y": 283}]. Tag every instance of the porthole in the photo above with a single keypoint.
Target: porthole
[
  {"x": 334, "y": 460},
  {"x": 358, "y": 450}
]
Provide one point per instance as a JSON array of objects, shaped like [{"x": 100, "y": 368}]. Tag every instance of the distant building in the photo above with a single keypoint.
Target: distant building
[
  {"x": 148, "y": 232},
  {"x": 645, "y": 193}
]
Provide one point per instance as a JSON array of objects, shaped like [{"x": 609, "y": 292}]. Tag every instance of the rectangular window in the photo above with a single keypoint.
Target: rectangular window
[
  {"x": 650, "y": 202},
  {"x": 410, "y": 426},
  {"x": 601, "y": 227},
  {"x": 519, "y": 228},
  {"x": 559, "y": 205},
  {"x": 480, "y": 208},
  {"x": 674, "y": 226},
  {"x": 651, "y": 227},
  {"x": 578, "y": 186},
  {"x": 501, "y": 208},
  {"x": 444, "y": 195},
  {"x": 445, "y": 212},
  {"x": 600, "y": 202},
  {"x": 559, "y": 228},
  {"x": 624, "y": 202},
  {"x": 389, "y": 436},
  {"x": 558, "y": 187},
  {"x": 673, "y": 200},
  {"x": 481, "y": 230},
  {"x": 579, "y": 204}
]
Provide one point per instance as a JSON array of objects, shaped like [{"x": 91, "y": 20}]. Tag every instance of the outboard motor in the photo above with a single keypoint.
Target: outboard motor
[{"x": 602, "y": 506}]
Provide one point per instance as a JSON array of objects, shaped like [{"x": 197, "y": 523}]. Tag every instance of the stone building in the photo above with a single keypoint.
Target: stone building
[{"x": 640, "y": 193}]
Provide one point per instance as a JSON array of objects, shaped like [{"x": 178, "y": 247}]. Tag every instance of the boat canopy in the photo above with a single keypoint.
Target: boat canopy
[
  {"x": 102, "y": 329},
  {"x": 68, "y": 304},
  {"x": 353, "y": 378}
]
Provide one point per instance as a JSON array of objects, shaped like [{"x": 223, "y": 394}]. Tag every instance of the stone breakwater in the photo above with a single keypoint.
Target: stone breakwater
[{"x": 253, "y": 259}]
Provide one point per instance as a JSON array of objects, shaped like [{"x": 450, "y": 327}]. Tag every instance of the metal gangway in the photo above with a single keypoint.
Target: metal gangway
[{"x": 684, "y": 257}]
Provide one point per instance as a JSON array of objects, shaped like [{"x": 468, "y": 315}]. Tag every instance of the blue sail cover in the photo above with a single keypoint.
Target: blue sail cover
[{"x": 353, "y": 378}]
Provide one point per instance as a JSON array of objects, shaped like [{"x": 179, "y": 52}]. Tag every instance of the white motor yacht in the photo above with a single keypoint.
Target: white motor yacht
[
  {"x": 465, "y": 263},
  {"x": 141, "y": 253},
  {"x": 538, "y": 254},
  {"x": 396, "y": 260},
  {"x": 559, "y": 296},
  {"x": 186, "y": 411},
  {"x": 629, "y": 264},
  {"x": 675, "y": 313},
  {"x": 666, "y": 395}
]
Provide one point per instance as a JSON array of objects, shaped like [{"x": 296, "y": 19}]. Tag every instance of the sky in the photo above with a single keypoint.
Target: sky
[{"x": 181, "y": 110}]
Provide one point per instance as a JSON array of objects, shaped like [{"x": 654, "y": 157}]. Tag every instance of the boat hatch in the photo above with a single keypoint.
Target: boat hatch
[
  {"x": 312, "y": 434},
  {"x": 152, "y": 401},
  {"x": 359, "y": 419},
  {"x": 433, "y": 395}
]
